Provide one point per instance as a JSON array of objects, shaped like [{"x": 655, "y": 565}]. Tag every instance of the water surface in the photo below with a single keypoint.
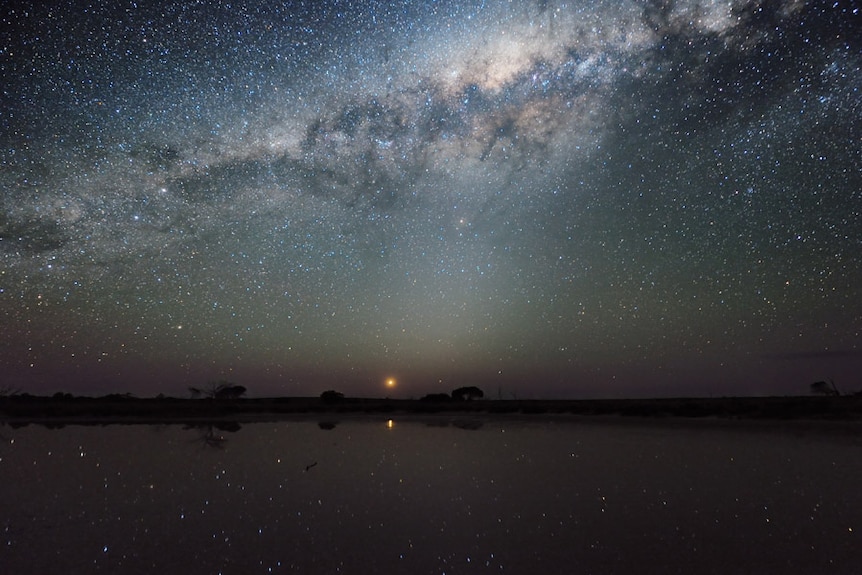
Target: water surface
[{"x": 434, "y": 495}]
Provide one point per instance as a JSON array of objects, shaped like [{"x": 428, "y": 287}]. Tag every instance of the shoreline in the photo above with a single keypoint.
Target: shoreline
[{"x": 24, "y": 409}]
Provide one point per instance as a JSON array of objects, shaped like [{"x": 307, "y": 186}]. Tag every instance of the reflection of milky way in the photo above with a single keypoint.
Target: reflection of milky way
[{"x": 593, "y": 193}]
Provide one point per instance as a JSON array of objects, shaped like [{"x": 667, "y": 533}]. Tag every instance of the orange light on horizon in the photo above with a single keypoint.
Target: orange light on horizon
[{"x": 390, "y": 382}]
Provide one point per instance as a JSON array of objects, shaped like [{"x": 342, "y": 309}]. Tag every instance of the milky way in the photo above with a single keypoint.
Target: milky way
[{"x": 543, "y": 198}]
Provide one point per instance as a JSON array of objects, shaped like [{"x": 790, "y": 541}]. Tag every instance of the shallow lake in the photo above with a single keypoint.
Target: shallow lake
[{"x": 432, "y": 495}]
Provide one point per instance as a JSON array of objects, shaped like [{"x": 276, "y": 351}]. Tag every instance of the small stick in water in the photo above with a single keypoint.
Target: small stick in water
[{"x": 307, "y": 467}]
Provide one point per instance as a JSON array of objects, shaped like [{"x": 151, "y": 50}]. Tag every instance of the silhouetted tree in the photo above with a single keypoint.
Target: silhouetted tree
[
  {"x": 467, "y": 393},
  {"x": 824, "y": 388},
  {"x": 230, "y": 392},
  {"x": 331, "y": 396},
  {"x": 118, "y": 396},
  {"x": 218, "y": 390}
]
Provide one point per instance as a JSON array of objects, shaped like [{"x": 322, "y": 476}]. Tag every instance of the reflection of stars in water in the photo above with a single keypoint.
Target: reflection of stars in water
[{"x": 547, "y": 188}]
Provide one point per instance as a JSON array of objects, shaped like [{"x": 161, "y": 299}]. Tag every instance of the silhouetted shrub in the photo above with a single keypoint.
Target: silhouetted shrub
[
  {"x": 467, "y": 393},
  {"x": 824, "y": 388},
  {"x": 230, "y": 392},
  {"x": 218, "y": 390},
  {"x": 331, "y": 396}
]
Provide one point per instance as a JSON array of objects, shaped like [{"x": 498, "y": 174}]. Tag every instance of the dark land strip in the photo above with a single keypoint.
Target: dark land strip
[{"x": 22, "y": 409}]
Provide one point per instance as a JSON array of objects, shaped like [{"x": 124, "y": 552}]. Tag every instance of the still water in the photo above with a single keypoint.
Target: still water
[{"x": 440, "y": 495}]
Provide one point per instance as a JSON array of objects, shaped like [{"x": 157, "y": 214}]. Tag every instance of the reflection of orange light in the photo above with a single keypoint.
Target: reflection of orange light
[
  {"x": 390, "y": 424},
  {"x": 390, "y": 382}
]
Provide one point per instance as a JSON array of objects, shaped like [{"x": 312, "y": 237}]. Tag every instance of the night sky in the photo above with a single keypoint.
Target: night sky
[{"x": 544, "y": 199}]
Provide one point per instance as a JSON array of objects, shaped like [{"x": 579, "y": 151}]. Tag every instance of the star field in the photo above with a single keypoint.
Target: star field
[{"x": 541, "y": 198}]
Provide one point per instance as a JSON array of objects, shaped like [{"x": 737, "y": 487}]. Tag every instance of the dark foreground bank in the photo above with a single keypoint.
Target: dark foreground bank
[{"x": 25, "y": 408}]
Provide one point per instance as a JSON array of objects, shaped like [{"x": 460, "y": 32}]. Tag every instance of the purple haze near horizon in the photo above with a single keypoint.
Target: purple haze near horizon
[{"x": 545, "y": 199}]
